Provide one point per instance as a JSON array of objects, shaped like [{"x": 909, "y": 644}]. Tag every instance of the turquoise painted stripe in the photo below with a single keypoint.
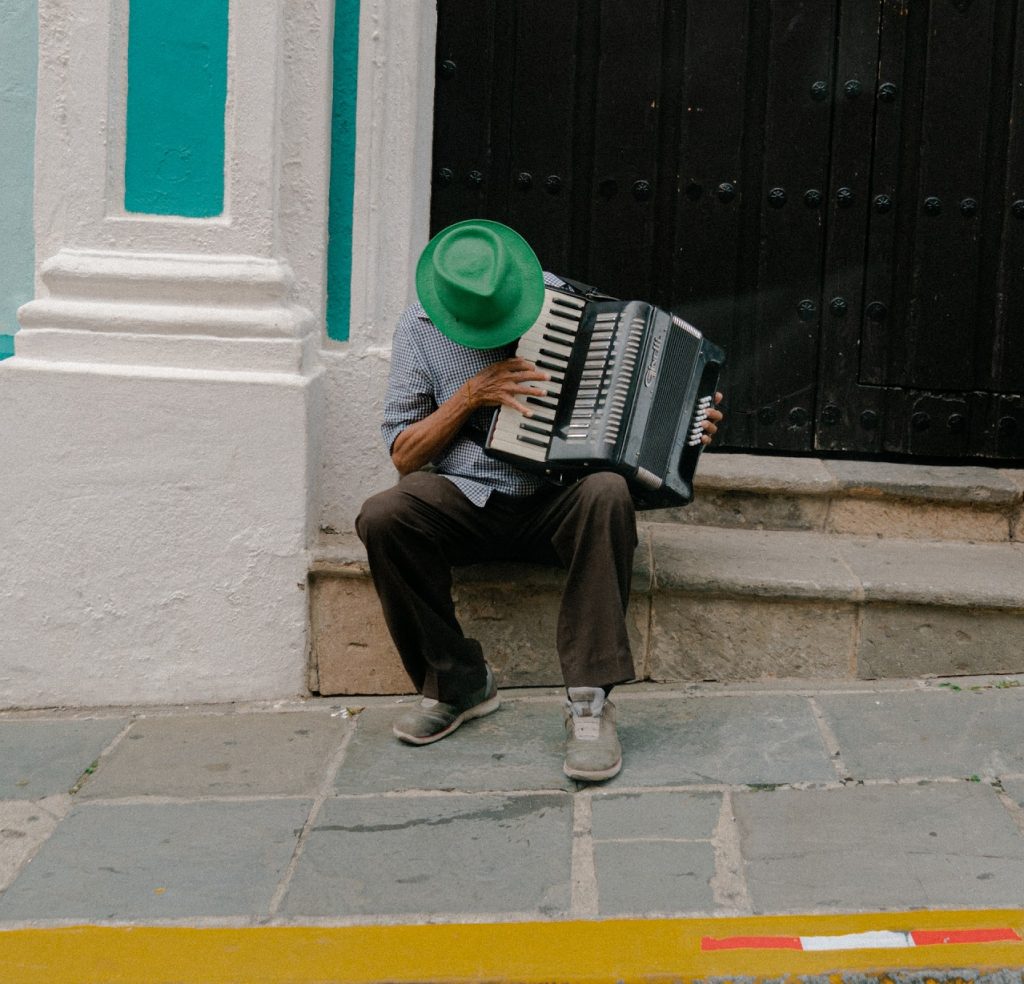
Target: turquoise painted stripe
[
  {"x": 18, "y": 61},
  {"x": 343, "y": 167},
  {"x": 177, "y": 90}
]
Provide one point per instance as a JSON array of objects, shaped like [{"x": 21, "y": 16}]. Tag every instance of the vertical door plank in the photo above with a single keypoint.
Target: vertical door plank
[
  {"x": 624, "y": 177},
  {"x": 1001, "y": 343},
  {"x": 717, "y": 82},
  {"x": 463, "y": 123},
  {"x": 541, "y": 176},
  {"x": 847, "y": 416},
  {"x": 938, "y": 352},
  {"x": 796, "y": 129}
]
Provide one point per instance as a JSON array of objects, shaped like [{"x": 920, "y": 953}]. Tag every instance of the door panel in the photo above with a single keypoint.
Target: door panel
[{"x": 831, "y": 189}]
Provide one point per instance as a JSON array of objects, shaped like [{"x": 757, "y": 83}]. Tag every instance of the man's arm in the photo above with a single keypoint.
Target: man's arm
[{"x": 498, "y": 384}]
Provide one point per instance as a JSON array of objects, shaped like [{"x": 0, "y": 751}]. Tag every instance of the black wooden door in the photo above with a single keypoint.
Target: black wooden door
[
  {"x": 832, "y": 189},
  {"x": 927, "y": 356}
]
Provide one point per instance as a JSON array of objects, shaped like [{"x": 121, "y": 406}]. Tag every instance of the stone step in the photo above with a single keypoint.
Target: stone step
[
  {"x": 714, "y": 604},
  {"x": 742, "y": 491}
]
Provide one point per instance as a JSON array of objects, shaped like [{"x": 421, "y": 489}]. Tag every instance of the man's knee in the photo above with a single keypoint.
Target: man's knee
[
  {"x": 380, "y": 513},
  {"x": 605, "y": 489}
]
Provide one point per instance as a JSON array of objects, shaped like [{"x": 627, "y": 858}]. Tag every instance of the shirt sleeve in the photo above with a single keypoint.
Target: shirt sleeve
[{"x": 410, "y": 394}]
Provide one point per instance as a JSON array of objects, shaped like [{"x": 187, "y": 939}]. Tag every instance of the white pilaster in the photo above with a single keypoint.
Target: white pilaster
[{"x": 158, "y": 489}]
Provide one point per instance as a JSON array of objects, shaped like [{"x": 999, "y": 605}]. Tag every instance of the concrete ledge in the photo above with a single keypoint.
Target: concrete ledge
[
  {"x": 511, "y": 608},
  {"x": 714, "y": 604},
  {"x": 855, "y": 497}
]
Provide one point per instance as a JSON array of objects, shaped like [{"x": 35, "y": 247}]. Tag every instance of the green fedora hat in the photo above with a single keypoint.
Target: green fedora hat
[{"x": 480, "y": 283}]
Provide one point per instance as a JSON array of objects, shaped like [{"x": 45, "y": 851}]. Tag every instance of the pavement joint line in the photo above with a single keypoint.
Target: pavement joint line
[
  {"x": 326, "y": 787},
  {"x": 608, "y": 792},
  {"x": 450, "y": 793},
  {"x": 920, "y": 781},
  {"x": 584, "y": 897},
  {"x": 828, "y": 737},
  {"x": 161, "y": 800},
  {"x": 856, "y": 636},
  {"x": 728, "y": 884}
]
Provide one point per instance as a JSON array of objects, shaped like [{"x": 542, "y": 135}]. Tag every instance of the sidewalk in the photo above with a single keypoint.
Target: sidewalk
[{"x": 734, "y": 801}]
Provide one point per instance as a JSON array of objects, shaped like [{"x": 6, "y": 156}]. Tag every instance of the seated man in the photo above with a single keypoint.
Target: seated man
[{"x": 480, "y": 288}]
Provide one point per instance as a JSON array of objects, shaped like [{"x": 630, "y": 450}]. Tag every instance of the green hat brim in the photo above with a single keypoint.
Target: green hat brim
[{"x": 514, "y": 323}]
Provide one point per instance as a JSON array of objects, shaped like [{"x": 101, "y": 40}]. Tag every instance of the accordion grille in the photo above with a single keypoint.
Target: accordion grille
[{"x": 681, "y": 352}]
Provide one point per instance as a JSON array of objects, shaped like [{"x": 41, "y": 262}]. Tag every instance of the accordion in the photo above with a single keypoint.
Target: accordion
[{"x": 630, "y": 387}]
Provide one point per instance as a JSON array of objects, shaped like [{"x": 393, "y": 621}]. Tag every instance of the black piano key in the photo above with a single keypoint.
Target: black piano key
[
  {"x": 534, "y": 428},
  {"x": 548, "y": 365},
  {"x": 562, "y": 330}
]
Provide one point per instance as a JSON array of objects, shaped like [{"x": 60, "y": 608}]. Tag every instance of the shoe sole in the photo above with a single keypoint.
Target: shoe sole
[
  {"x": 477, "y": 710},
  {"x": 598, "y": 776}
]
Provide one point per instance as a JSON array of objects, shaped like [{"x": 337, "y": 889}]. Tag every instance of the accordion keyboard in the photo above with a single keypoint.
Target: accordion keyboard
[{"x": 548, "y": 344}]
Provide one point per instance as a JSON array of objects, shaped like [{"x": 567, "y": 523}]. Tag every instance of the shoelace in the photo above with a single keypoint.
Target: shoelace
[{"x": 586, "y": 712}]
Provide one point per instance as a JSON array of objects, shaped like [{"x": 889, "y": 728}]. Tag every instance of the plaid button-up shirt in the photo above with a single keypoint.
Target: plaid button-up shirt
[{"x": 427, "y": 368}]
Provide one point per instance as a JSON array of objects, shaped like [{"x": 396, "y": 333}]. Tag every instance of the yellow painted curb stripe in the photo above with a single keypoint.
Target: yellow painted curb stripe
[{"x": 640, "y": 950}]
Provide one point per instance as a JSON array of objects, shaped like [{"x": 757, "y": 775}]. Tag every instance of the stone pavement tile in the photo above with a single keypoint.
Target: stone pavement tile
[
  {"x": 47, "y": 757},
  {"x": 647, "y": 877},
  {"x": 521, "y": 746},
  {"x": 252, "y": 754},
  {"x": 653, "y": 851},
  {"x": 435, "y": 855},
  {"x": 690, "y": 816},
  {"x": 935, "y": 733},
  {"x": 23, "y": 827},
  {"x": 159, "y": 861},
  {"x": 749, "y": 740},
  {"x": 931, "y": 845}
]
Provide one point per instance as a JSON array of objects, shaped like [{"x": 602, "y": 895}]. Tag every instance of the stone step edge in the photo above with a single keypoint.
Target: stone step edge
[
  {"x": 772, "y": 564},
  {"x": 1000, "y": 489}
]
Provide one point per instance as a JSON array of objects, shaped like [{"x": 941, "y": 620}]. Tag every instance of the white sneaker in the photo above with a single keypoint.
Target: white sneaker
[{"x": 593, "y": 752}]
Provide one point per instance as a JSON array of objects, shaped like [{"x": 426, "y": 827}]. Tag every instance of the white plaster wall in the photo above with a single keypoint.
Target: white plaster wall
[
  {"x": 390, "y": 229},
  {"x": 154, "y": 537},
  {"x": 183, "y": 426},
  {"x": 158, "y": 489}
]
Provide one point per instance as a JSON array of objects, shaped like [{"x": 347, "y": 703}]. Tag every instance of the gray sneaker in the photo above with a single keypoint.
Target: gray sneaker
[
  {"x": 592, "y": 749},
  {"x": 432, "y": 720}
]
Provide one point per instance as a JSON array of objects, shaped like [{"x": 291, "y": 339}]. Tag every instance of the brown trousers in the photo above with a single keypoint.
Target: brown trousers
[{"x": 418, "y": 530}]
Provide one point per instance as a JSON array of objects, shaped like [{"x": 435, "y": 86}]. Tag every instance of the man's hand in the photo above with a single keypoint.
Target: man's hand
[
  {"x": 502, "y": 382},
  {"x": 715, "y": 417},
  {"x": 496, "y": 385}
]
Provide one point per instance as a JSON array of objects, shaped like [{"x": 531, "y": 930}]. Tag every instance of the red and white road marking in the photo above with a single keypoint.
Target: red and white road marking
[{"x": 875, "y": 940}]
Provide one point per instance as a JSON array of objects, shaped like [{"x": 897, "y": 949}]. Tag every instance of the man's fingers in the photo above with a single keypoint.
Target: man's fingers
[
  {"x": 711, "y": 422},
  {"x": 514, "y": 404},
  {"x": 523, "y": 369}
]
